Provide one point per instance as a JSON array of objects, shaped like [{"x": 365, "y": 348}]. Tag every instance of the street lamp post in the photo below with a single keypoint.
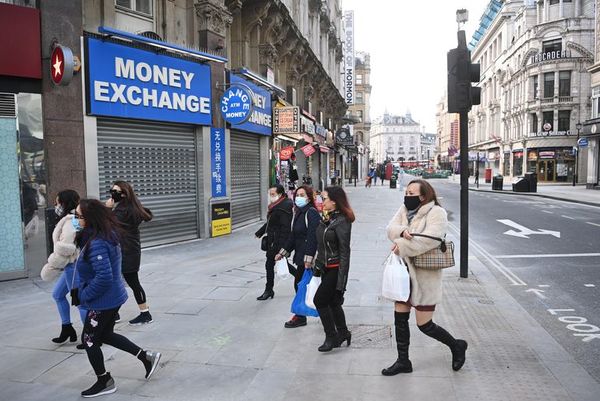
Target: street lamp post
[{"x": 575, "y": 173}]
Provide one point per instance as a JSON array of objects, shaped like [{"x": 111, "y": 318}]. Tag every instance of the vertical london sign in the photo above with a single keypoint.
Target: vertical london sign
[
  {"x": 218, "y": 163},
  {"x": 349, "y": 57}
]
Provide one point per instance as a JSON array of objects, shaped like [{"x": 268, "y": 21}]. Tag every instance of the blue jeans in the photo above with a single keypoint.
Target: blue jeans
[{"x": 60, "y": 291}]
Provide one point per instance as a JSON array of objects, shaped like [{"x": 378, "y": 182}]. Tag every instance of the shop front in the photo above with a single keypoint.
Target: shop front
[
  {"x": 591, "y": 138},
  {"x": 517, "y": 162},
  {"x": 146, "y": 114},
  {"x": 552, "y": 164}
]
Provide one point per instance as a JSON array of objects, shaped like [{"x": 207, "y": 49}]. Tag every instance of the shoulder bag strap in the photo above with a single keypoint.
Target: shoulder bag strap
[
  {"x": 428, "y": 236},
  {"x": 75, "y": 266}
]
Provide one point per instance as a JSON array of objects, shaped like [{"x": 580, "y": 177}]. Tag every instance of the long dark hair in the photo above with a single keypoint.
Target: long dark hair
[
  {"x": 427, "y": 192},
  {"x": 68, "y": 199},
  {"x": 338, "y": 195},
  {"x": 99, "y": 222},
  {"x": 310, "y": 194},
  {"x": 132, "y": 203}
]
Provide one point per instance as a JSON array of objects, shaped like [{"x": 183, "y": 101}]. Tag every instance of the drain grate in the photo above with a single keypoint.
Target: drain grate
[{"x": 371, "y": 336}]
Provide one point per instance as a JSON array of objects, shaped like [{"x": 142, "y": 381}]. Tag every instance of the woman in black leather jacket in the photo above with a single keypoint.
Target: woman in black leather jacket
[
  {"x": 277, "y": 228},
  {"x": 333, "y": 264}
]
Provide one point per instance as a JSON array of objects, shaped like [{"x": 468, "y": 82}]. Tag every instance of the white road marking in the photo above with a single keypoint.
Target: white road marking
[
  {"x": 589, "y": 285},
  {"x": 550, "y": 255},
  {"x": 539, "y": 293},
  {"x": 543, "y": 286},
  {"x": 524, "y": 231},
  {"x": 547, "y": 211},
  {"x": 512, "y": 277},
  {"x": 593, "y": 224},
  {"x": 568, "y": 217}
]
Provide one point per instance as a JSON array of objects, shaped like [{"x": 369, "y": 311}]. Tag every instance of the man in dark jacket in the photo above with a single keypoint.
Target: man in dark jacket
[{"x": 277, "y": 228}]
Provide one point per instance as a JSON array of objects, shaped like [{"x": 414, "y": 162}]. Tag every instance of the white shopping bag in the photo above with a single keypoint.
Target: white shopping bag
[
  {"x": 311, "y": 290},
  {"x": 281, "y": 269},
  {"x": 396, "y": 281}
]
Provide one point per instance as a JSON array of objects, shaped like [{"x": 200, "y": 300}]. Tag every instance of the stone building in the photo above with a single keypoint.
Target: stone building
[
  {"x": 395, "y": 138},
  {"x": 447, "y": 138},
  {"x": 535, "y": 85},
  {"x": 361, "y": 113}
]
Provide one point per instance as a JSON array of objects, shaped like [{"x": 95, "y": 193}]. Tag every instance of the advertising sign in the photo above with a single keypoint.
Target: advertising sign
[
  {"x": 308, "y": 150},
  {"x": 349, "y": 57},
  {"x": 286, "y": 153},
  {"x": 236, "y": 104},
  {"x": 220, "y": 219},
  {"x": 132, "y": 83},
  {"x": 260, "y": 119},
  {"x": 287, "y": 120},
  {"x": 218, "y": 163}
]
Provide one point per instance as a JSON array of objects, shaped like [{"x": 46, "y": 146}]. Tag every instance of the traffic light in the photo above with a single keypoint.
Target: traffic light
[{"x": 461, "y": 72}]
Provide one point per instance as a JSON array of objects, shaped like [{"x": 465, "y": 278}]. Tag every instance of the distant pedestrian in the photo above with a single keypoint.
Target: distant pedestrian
[
  {"x": 382, "y": 176},
  {"x": 61, "y": 262},
  {"x": 374, "y": 177},
  {"x": 101, "y": 292},
  {"x": 302, "y": 240},
  {"x": 129, "y": 211},
  {"x": 333, "y": 264},
  {"x": 277, "y": 228},
  {"x": 477, "y": 177},
  {"x": 420, "y": 214}
]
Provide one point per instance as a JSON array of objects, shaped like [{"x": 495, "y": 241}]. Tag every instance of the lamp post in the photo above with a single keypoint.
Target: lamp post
[{"x": 578, "y": 126}]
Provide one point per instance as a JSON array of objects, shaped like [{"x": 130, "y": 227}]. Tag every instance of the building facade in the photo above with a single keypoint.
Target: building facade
[
  {"x": 151, "y": 105},
  {"x": 447, "y": 138},
  {"x": 360, "y": 112},
  {"x": 395, "y": 138},
  {"x": 535, "y": 85}
]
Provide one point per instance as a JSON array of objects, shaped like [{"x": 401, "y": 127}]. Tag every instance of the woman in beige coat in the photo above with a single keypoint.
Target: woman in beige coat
[{"x": 420, "y": 214}]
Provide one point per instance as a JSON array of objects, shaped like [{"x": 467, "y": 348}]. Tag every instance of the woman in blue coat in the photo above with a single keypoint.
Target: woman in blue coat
[
  {"x": 302, "y": 240},
  {"x": 101, "y": 292}
]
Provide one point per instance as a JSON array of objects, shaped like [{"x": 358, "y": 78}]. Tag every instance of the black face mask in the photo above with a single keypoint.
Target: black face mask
[
  {"x": 412, "y": 202},
  {"x": 116, "y": 196}
]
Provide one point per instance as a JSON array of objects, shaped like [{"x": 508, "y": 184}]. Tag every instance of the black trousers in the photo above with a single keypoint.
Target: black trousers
[
  {"x": 133, "y": 281},
  {"x": 327, "y": 295},
  {"x": 270, "y": 268},
  {"x": 98, "y": 329}
]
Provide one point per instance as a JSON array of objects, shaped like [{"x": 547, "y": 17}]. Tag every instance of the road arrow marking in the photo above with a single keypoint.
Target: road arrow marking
[
  {"x": 524, "y": 232},
  {"x": 539, "y": 293}
]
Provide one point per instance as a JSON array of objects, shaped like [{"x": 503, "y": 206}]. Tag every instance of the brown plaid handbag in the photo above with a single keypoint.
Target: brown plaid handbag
[{"x": 438, "y": 258}]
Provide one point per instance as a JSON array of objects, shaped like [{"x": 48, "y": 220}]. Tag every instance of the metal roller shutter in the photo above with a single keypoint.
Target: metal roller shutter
[
  {"x": 160, "y": 161},
  {"x": 245, "y": 178}
]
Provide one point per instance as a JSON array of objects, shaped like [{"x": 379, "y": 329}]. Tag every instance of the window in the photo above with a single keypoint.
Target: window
[
  {"x": 359, "y": 79},
  {"x": 359, "y": 98},
  {"x": 548, "y": 117},
  {"x": 564, "y": 120},
  {"x": 564, "y": 83},
  {"x": 534, "y": 122},
  {"x": 139, "y": 6},
  {"x": 549, "y": 84},
  {"x": 359, "y": 114},
  {"x": 535, "y": 87},
  {"x": 596, "y": 102},
  {"x": 552, "y": 46},
  {"x": 553, "y": 2}
]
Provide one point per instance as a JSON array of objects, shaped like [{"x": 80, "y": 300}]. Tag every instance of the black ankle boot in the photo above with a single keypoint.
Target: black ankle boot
[
  {"x": 67, "y": 332},
  {"x": 269, "y": 293},
  {"x": 457, "y": 347},
  {"x": 340, "y": 324},
  {"x": 326, "y": 317},
  {"x": 402, "y": 364}
]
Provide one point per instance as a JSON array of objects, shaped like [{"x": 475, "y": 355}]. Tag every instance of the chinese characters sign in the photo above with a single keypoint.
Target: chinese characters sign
[{"x": 218, "y": 164}]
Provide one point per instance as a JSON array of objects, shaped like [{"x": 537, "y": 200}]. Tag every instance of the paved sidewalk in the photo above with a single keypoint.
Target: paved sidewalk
[
  {"x": 564, "y": 191},
  {"x": 219, "y": 343}
]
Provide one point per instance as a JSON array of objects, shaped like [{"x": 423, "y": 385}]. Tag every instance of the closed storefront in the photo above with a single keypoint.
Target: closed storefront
[
  {"x": 160, "y": 161},
  {"x": 246, "y": 192}
]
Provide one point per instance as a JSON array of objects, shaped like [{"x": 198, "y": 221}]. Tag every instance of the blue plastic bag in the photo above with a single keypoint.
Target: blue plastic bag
[{"x": 299, "y": 306}]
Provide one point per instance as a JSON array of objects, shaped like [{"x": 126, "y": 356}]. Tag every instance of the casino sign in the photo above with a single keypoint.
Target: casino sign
[{"x": 63, "y": 65}]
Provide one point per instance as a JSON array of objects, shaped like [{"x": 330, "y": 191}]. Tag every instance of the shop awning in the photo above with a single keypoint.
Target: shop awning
[
  {"x": 551, "y": 143},
  {"x": 324, "y": 149},
  {"x": 286, "y": 138}
]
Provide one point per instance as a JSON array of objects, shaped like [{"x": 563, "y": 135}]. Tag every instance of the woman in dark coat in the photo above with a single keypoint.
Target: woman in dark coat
[
  {"x": 277, "y": 228},
  {"x": 333, "y": 264},
  {"x": 130, "y": 213},
  {"x": 302, "y": 240}
]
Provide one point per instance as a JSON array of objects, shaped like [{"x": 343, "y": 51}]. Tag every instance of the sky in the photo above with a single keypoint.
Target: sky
[{"x": 408, "y": 41}]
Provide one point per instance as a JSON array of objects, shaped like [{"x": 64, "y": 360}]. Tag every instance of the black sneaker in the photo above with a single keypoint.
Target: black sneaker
[
  {"x": 150, "y": 361},
  {"x": 117, "y": 318},
  {"x": 143, "y": 318},
  {"x": 104, "y": 385}
]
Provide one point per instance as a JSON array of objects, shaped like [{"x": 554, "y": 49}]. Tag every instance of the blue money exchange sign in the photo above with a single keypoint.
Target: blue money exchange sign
[
  {"x": 262, "y": 110},
  {"x": 218, "y": 165},
  {"x": 133, "y": 83}
]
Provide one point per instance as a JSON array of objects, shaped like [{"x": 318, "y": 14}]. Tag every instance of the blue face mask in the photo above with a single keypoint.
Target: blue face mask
[
  {"x": 76, "y": 225},
  {"x": 301, "y": 201}
]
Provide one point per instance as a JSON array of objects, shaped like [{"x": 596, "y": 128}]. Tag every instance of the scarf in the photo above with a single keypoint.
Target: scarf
[{"x": 272, "y": 205}]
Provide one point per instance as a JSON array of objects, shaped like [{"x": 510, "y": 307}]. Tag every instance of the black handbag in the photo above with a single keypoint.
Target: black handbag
[{"x": 264, "y": 243}]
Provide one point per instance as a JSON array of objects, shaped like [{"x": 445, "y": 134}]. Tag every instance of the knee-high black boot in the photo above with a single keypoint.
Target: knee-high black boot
[
  {"x": 343, "y": 334},
  {"x": 457, "y": 347},
  {"x": 329, "y": 326},
  {"x": 402, "y": 364}
]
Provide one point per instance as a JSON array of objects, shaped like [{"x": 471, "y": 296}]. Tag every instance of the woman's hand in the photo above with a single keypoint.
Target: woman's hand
[
  {"x": 406, "y": 235},
  {"x": 395, "y": 249},
  {"x": 109, "y": 202},
  {"x": 278, "y": 257},
  {"x": 307, "y": 265}
]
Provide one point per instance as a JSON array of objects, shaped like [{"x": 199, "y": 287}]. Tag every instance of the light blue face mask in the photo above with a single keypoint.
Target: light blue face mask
[
  {"x": 301, "y": 201},
  {"x": 76, "y": 225}
]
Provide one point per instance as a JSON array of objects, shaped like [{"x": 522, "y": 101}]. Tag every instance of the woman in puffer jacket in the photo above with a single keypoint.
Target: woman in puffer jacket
[
  {"x": 420, "y": 214},
  {"x": 60, "y": 262}
]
